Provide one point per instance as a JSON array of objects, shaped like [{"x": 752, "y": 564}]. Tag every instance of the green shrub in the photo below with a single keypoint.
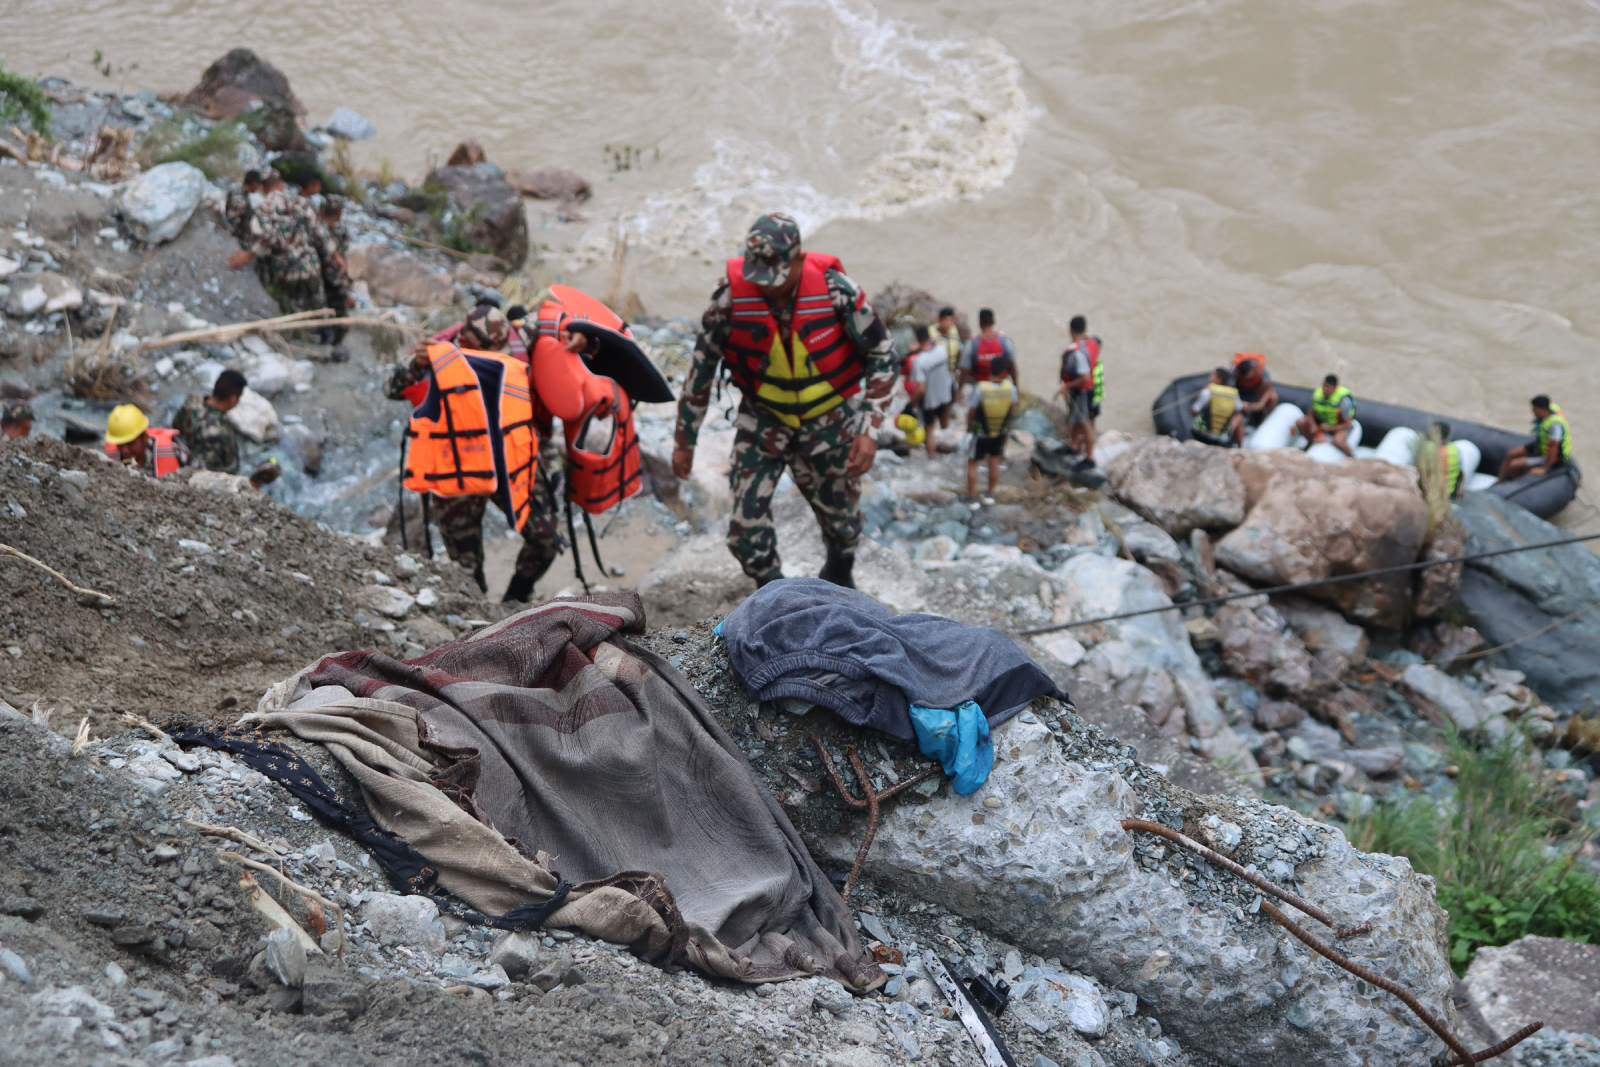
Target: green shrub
[
  {"x": 1497, "y": 849},
  {"x": 21, "y": 99},
  {"x": 214, "y": 150}
]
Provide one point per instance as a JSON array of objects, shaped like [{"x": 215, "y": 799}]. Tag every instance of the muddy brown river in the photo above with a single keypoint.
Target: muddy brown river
[{"x": 1403, "y": 192}]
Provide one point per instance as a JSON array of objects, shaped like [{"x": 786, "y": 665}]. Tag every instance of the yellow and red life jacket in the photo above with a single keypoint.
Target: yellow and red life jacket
[
  {"x": 818, "y": 369},
  {"x": 1255, "y": 380},
  {"x": 472, "y": 434},
  {"x": 164, "y": 442},
  {"x": 577, "y": 396}
]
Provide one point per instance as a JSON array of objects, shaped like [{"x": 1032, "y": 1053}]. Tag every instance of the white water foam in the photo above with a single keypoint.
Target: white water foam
[{"x": 892, "y": 120}]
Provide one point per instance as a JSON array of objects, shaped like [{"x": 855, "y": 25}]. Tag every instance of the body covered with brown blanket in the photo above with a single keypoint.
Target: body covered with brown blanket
[{"x": 547, "y": 746}]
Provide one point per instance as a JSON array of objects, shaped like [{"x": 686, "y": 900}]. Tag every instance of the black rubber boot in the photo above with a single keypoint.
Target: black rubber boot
[
  {"x": 519, "y": 590},
  {"x": 477, "y": 576},
  {"x": 768, "y": 578},
  {"x": 837, "y": 569}
]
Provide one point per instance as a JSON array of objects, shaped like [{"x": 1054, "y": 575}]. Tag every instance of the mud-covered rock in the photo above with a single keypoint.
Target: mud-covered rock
[
  {"x": 1181, "y": 486},
  {"x": 489, "y": 208},
  {"x": 1308, "y": 520}
]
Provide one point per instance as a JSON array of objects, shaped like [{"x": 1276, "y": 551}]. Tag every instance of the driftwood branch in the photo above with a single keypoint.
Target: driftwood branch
[
  {"x": 234, "y": 331},
  {"x": 308, "y": 893},
  {"x": 7, "y": 550},
  {"x": 146, "y": 725},
  {"x": 233, "y": 833}
]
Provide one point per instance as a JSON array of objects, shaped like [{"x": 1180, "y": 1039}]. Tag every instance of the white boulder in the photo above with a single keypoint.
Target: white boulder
[
  {"x": 159, "y": 203},
  {"x": 255, "y": 417}
]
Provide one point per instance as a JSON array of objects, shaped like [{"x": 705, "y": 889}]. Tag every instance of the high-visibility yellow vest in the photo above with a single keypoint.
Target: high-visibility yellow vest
[
  {"x": 1224, "y": 402},
  {"x": 1326, "y": 405},
  {"x": 1450, "y": 456},
  {"x": 995, "y": 403},
  {"x": 1541, "y": 431}
]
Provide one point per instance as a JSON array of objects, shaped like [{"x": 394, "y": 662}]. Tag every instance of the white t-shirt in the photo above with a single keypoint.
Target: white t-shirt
[{"x": 932, "y": 368}]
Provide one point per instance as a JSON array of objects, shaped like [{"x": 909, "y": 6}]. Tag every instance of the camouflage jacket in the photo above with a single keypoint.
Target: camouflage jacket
[
  {"x": 287, "y": 235},
  {"x": 208, "y": 434},
  {"x": 238, "y": 214},
  {"x": 867, "y": 408}
]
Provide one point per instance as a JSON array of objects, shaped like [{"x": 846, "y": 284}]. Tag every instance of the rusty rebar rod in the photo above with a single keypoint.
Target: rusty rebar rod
[
  {"x": 871, "y": 805},
  {"x": 1191, "y": 845},
  {"x": 1503, "y": 1047},
  {"x": 1339, "y": 960}
]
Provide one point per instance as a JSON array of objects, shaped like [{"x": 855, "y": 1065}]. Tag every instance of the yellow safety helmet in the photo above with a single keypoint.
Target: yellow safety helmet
[{"x": 126, "y": 423}]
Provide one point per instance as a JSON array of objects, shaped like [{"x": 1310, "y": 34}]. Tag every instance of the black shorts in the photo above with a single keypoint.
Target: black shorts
[
  {"x": 928, "y": 415},
  {"x": 987, "y": 447}
]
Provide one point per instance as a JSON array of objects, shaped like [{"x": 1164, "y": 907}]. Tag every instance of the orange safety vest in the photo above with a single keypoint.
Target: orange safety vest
[
  {"x": 1261, "y": 365},
  {"x": 596, "y": 481},
  {"x": 162, "y": 440},
  {"x": 473, "y": 434},
  {"x": 818, "y": 368}
]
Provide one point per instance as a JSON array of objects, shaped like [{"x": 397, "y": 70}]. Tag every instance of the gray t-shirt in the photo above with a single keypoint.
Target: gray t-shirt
[{"x": 932, "y": 368}]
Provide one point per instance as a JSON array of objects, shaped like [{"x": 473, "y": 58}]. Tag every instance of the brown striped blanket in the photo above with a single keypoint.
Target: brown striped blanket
[{"x": 548, "y": 747}]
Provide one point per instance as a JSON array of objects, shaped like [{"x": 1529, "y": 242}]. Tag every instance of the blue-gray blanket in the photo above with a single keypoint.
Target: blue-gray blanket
[{"x": 813, "y": 640}]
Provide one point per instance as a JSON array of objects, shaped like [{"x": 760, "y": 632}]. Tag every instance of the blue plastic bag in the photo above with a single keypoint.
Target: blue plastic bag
[{"x": 959, "y": 740}]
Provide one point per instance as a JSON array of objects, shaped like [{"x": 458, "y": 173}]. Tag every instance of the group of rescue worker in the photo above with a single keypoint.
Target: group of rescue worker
[
  {"x": 1242, "y": 396},
  {"x": 297, "y": 243}
]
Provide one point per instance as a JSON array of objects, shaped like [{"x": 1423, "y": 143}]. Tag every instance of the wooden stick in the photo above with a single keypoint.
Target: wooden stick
[
  {"x": 7, "y": 550},
  {"x": 233, "y": 833},
  {"x": 309, "y": 894},
  {"x": 239, "y": 329},
  {"x": 420, "y": 243},
  {"x": 145, "y": 724}
]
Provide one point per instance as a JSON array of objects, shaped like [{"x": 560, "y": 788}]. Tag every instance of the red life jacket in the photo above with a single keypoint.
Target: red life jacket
[
  {"x": 818, "y": 369},
  {"x": 1254, "y": 381},
  {"x": 989, "y": 349},
  {"x": 162, "y": 440}
]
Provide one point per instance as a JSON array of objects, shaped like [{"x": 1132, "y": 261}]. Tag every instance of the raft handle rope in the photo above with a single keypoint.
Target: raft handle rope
[{"x": 1277, "y": 589}]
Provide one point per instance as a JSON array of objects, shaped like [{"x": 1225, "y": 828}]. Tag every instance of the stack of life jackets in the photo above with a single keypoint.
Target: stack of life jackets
[
  {"x": 471, "y": 431},
  {"x": 818, "y": 370},
  {"x": 162, "y": 440}
]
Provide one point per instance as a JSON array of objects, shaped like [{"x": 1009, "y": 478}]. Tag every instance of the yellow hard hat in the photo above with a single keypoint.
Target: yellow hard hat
[{"x": 126, "y": 423}]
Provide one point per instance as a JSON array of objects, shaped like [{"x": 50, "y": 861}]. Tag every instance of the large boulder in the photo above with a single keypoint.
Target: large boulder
[
  {"x": 396, "y": 279},
  {"x": 489, "y": 207},
  {"x": 1308, "y": 520},
  {"x": 1180, "y": 486},
  {"x": 552, "y": 184},
  {"x": 1038, "y": 857},
  {"x": 1148, "y": 661},
  {"x": 1537, "y": 978},
  {"x": 241, "y": 85},
  {"x": 159, "y": 203},
  {"x": 1510, "y": 597}
]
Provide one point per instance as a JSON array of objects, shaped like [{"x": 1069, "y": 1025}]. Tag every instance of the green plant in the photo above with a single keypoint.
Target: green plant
[
  {"x": 214, "y": 150},
  {"x": 458, "y": 227},
  {"x": 21, "y": 99},
  {"x": 1502, "y": 853}
]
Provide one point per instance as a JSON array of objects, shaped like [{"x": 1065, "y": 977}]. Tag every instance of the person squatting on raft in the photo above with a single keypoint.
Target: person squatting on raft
[
  {"x": 1257, "y": 395},
  {"x": 815, "y": 368},
  {"x": 460, "y": 517},
  {"x": 989, "y": 414},
  {"x": 1083, "y": 384},
  {"x": 1217, "y": 418},
  {"x": 1332, "y": 414},
  {"x": 1550, "y": 448}
]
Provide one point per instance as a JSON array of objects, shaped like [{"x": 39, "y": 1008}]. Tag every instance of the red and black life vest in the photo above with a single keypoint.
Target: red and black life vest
[
  {"x": 819, "y": 368},
  {"x": 988, "y": 351}
]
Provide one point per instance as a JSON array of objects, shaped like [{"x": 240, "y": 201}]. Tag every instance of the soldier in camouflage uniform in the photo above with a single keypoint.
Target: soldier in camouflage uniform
[
  {"x": 460, "y": 518},
  {"x": 826, "y": 453},
  {"x": 203, "y": 425},
  {"x": 239, "y": 208},
  {"x": 335, "y": 276},
  {"x": 289, "y": 246}
]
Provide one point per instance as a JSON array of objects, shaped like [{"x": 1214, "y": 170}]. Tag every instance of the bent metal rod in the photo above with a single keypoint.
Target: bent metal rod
[{"x": 1274, "y": 590}]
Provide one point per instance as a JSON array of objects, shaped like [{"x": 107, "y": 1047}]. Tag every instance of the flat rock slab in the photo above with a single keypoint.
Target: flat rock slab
[{"x": 1537, "y": 978}]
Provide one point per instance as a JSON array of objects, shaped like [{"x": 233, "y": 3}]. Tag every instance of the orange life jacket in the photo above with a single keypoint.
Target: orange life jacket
[
  {"x": 1253, "y": 382},
  {"x": 162, "y": 440},
  {"x": 473, "y": 434},
  {"x": 577, "y": 396},
  {"x": 989, "y": 350},
  {"x": 820, "y": 366}
]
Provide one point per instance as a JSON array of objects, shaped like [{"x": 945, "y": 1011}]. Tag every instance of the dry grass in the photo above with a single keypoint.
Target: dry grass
[{"x": 98, "y": 375}]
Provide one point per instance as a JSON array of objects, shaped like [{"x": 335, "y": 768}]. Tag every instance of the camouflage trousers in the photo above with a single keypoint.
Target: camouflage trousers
[
  {"x": 460, "y": 521},
  {"x": 292, "y": 296},
  {"x": 815, "y": 455}
]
